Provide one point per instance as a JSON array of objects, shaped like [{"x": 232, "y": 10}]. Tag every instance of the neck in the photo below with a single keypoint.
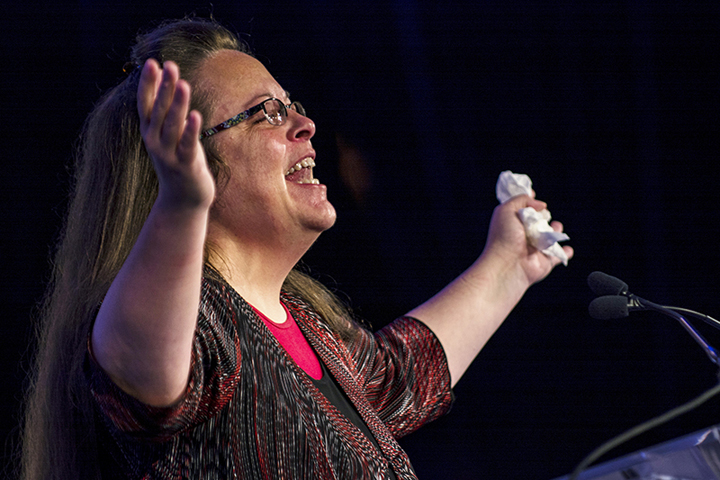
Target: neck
[{"x": 256, "y": 271}]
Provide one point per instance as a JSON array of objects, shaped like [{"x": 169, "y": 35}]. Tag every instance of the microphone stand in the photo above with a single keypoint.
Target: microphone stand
[
  {"x": 640, "y": 303},
  {"x": 637, "y": 303}
]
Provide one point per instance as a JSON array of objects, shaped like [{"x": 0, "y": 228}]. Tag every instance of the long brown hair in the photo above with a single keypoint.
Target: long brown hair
[{"x": 114, "y": 188}]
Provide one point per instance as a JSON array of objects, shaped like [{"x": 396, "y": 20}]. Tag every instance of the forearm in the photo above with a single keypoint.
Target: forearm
[
  {"x": 143, "y": 333},
  {"x": 468, "y": 311}
]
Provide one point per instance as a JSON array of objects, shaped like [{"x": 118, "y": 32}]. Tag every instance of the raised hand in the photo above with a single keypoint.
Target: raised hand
[
  {"x": 171, "y": 135},
  {"x": 466, "y": 313},
  {"x": 507, "y": 239},
  {"x": 144, "y": 330}
]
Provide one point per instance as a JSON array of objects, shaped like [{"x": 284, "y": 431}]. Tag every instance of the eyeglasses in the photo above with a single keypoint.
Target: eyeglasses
[{"x": 274, "y": 109}]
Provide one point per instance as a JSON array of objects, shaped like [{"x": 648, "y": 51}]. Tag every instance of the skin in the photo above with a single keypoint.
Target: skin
[
  {"x": 143, "y": 333},
  {"x": 466, "y": 313},
  {"x": 260, "y": 225}
]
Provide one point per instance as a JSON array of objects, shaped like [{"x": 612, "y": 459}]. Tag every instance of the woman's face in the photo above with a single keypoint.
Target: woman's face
[{"x": 262, "y": 202}]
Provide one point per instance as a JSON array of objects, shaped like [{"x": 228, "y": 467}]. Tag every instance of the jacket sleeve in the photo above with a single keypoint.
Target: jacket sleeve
[
  {"x": 405, "y": 374},
  {"x": 212, "y": 381}
]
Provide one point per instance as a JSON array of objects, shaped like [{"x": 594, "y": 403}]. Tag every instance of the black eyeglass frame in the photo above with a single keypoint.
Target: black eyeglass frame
[{"x": 242, "y": 116}]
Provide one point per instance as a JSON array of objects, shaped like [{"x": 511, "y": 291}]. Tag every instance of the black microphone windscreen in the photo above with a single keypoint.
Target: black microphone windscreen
[
  {"x": 604, "y": 284},
  {"x": 609, "y": 307}
]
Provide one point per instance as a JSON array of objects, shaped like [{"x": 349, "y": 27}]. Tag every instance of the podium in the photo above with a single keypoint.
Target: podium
[{"x": 692, "y": 457}]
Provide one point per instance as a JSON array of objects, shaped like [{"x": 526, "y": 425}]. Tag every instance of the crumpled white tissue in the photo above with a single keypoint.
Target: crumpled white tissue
[{"x": 537, "y": 224}]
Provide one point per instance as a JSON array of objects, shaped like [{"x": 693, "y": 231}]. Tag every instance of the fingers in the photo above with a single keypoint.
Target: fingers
[
  {"x": 522, "y": 201},
  {"x": 557, "y": 226},
  {"x": 162, "y": 98},
  {"x": 536, "y": 204},
  {"x": 172, "y": 124},
  {"x": 171, "y": 134},
  {"x": 188, "y": 142},
  {"x": 147, "y": 89},
  {"x": 163, "y": 103},
  {"x": 165, "y": 108}
]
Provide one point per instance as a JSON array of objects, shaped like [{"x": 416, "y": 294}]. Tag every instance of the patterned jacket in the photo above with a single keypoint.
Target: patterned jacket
[{"x": 250, "y": 412}]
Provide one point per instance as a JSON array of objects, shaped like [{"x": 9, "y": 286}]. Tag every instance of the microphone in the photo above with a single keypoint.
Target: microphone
[
  {"x": 604, "y": 284},
  {"x": 609, "y": 307},
  {"x": 617, "y": 302}
]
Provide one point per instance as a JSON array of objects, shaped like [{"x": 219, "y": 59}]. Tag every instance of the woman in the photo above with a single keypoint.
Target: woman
[{"x": 179, "y": 342}]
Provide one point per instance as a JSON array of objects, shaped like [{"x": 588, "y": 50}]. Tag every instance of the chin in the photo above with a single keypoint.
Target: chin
[
  {"x": 324, "y": 219},
  {"x": 329, "y": 219}
]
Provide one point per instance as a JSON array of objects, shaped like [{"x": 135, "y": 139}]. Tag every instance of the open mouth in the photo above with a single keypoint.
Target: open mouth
[{"x": 302, "y": 173}]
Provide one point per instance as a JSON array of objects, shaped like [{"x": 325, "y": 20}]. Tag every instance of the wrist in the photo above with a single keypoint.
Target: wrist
[
  {"x": 173, "y": 203},
  {"x": 503, "y": 271}
]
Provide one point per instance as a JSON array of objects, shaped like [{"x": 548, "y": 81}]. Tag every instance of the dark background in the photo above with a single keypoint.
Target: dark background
[{"x": 612, "y": 109}]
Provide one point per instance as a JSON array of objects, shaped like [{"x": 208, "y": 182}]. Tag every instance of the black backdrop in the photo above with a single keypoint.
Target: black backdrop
[{"x": 610, "y": 108}]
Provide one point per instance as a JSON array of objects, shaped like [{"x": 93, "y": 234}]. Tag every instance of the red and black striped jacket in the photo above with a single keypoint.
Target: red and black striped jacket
[{"x": 251, "y": 413}]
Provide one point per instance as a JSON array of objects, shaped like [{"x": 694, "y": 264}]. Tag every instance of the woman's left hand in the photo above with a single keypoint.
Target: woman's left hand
[{"x": 507, "y": 240}]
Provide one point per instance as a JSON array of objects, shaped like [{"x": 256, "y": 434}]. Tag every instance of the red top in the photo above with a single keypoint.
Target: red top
[{"x": 291, "y": 338}]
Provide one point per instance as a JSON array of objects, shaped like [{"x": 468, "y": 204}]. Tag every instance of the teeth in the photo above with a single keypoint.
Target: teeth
[
  {"x": 306, "y": 163},
  {"x": 314, "y": 181}
]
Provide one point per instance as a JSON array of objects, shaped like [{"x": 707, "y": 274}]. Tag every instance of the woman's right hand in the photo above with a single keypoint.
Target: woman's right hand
[
  {"x": 171, "y": 134},
  {"x": 143, "y": 333}
]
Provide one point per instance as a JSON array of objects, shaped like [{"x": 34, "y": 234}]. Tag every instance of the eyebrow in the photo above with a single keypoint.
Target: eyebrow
[{"x": 268, "y": 95}]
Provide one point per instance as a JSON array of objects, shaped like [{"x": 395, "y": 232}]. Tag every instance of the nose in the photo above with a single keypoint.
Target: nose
[{"x": 301, "y": 127}]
